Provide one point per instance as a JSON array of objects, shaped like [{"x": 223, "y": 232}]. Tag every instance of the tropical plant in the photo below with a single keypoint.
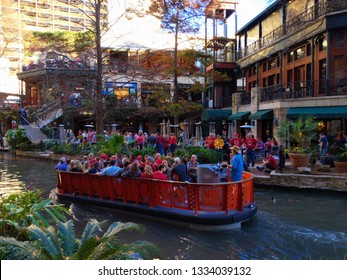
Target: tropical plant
[
  {"x": 18, "y": 211},
  {"x": 17, "y": 139},
  {"x": 61, "y": 243},
  {"x": 112, "y": 145},
  {"x": 341, "y": 155},
  {"x": 204, "y": 155},
  {"x": 299, "y": 133}
]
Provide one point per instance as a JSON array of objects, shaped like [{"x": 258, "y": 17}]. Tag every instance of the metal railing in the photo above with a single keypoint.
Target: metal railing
[
  {"x": 304, "y": 89},
  {"x": 307, "y": 17}
]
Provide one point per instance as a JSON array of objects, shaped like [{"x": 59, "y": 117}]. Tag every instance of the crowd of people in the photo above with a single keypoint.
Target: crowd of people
[{"x": 157, "y": 167}]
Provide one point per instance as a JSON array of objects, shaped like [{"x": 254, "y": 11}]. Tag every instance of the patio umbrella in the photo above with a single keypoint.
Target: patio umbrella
[{"x": 247, "y": 126}]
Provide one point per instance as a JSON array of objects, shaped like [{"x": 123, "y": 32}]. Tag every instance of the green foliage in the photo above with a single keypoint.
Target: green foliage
[
  {"x": 149, "y": 150},
  {"x": 18, "y": 211},
  {"x": 204, "y": 155},
  {"x": 341, "y": 154},
  {"x": 60, "y": 243},
  {"x": 112, "y": 145},
  {"x": 17, "y": 139},
  {"x": 299, "y": 133}
]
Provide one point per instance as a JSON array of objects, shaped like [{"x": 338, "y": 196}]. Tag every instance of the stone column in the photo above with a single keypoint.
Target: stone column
[{"x": 62, "y": 137}]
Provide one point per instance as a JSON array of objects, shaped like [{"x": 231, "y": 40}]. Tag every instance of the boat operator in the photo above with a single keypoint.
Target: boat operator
[{"x": 236, "y": 166}]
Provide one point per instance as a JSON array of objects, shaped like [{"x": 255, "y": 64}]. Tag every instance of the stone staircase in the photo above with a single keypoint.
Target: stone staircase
[
  {"x": 48, "y": 114},
  {"x": 42, "y": 117},
  {"x": 34, "y": 133}
]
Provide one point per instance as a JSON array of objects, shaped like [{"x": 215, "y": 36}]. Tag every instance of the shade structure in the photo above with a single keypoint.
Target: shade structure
[
  {"x": 326, "y": 112},
  {"x": 239, "y": 116},
  {"x": 212, "y": 115},
  {"x": 262, "y": 115},
  {"x": 198, "y": 133}
]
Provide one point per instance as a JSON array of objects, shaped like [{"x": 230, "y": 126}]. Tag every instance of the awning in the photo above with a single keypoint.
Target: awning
[
  {"x": 213, "y": 115},
  {"x": 327, "y": 112},
  {"x": 262, "y": 115},
  {"x": 239, "y": 116}
]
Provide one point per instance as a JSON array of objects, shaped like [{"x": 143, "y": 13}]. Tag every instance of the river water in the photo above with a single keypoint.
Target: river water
[{"x": 290, "y": 224}]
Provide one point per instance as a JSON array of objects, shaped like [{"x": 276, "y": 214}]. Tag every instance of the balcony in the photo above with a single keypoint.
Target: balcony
[
  {"x": 292, "y": 26},
  {"x": 305, "y": 89}
]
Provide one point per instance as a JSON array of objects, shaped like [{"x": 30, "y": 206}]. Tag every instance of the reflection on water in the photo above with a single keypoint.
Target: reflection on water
[{"x": 293, "y": 225}]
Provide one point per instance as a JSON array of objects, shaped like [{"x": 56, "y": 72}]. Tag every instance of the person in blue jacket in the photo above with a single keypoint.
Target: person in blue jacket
[{"x": 236, "y": 166}]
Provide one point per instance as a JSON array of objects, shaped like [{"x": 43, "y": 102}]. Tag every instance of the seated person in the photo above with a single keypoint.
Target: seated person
[
  {"x": 147, "y": 172},
  {"x": 111, "y": 170},
  {"x": 125, "y": 168},
  {"x": 133, "y": 172},
  {"x": 179, "y": 169},
  {"x": 192, "y": 168},
  {"x": 95, "y": 169},
  {"x": 269, "y": 164},
  {"x": 160, "y": 173},
  {"x": 62, "y": 165}
]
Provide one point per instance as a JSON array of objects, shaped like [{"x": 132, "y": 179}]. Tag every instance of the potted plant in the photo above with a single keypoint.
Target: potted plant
[
  {"x": 299, "y": 133},
  {"x": 340, "y": 161}
]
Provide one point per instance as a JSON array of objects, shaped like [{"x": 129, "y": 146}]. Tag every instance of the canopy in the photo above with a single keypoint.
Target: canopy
[
  {"x": 327, "y": 112},
  {"x": 239, "y": 116},
  {"x": 215, "y": 114},
  {"x": 262, "y": 115}
]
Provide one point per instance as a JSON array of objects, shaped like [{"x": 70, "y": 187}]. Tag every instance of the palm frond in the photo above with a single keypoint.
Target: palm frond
[
  {"x": 117, "y": 227},
  {"x": 12, "y": 249},
  {"x": 66, "y": 233},
  {"x": 92, "y": 228},
  {"x": 46, "y": 239}
]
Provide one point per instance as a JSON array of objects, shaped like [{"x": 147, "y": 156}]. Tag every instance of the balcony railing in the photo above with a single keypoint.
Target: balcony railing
[
  {"x": 304, "y": 89},
  {"x": 245, "y": 98},
  {"x": 292, "y": 26}
]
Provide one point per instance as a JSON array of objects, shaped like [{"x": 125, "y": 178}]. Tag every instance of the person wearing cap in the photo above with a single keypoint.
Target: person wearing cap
[
  {"x": 62, "y": 165},
  {"x": 236, "y": 166}
]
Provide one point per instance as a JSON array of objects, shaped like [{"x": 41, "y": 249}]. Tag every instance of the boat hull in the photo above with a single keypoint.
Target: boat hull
[{"x": 200, "y": 206}]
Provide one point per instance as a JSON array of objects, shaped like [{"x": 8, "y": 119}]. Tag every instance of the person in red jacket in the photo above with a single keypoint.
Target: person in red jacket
[
  {"x": 160, "y": 173},
  {"x": 270, "y": 163},
  {"x": 250, "y": 144},
  {"x": 172, "y": 143}
]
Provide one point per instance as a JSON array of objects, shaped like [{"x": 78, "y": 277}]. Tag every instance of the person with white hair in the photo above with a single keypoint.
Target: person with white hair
[
  {"x": 179, "y": 169},
  {"x": 192, "y": 168}
]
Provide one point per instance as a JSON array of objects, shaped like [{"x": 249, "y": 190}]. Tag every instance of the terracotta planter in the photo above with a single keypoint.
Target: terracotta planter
[
  {"x": 340, "y": 166},
  {"x": 299, "y": 160}
]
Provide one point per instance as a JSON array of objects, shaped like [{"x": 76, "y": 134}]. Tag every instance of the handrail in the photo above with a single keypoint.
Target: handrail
[{"x": 196, "y": 197}]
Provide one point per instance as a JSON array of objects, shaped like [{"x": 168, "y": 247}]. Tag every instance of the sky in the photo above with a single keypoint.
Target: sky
[{"x": 146, "y": 31}]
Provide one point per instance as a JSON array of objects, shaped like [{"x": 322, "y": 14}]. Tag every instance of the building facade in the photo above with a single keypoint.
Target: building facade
[{"x": 293, "y": 63}]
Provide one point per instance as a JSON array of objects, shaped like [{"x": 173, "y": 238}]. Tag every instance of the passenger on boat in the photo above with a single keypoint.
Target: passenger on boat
[
  {"x": 140, "y": 162},
  {"x": 62, "y": 165},
  {"x": 91, "y": 159},
  {"x": 125, "y": 168},
  {"x": 147, "y": 172},
  {"x": 236, "y": 166},
  {"x": 133, "y": 172},
  {"x": 167, "y": 170},
  {"x": 157, "y": 159},
  {"x": 111, "y": 170},
  {"x": 179, "y": 169},
  {"x": 76, "y": 166},
  {"x": 150, "y": 161},
  {"x": 160, "y": 173},
  {"x": 192, "y": 168},
  {"x": 95, "y": 168}
]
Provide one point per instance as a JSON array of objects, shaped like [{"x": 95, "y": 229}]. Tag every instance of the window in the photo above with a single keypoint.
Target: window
[
  {"x": 323, "y": 44},
  {"x": 308, "y": 50},
  {"x": 290, "y": 57},
  {"x": 339, "y": 40},
  {"x": 264, "y": 66},
  {"x": 272, "y": 64},
  {"x": 299, "y": 53}
]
